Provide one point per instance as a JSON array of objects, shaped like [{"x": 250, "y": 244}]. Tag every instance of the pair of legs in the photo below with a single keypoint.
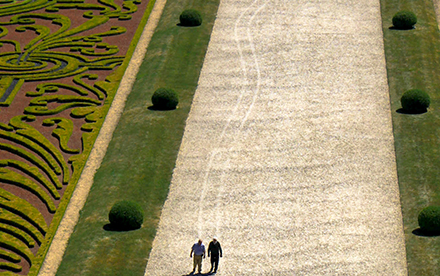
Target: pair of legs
[
  {"x": 214, "y": 263},
  {"x": 197, "y": 262}
]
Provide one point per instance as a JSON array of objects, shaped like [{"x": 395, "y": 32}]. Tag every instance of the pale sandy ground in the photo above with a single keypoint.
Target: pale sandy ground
[
  {"x": 71, "y": 216},
  {"x": 437, "y": 10},
  {"x": 288, "y": 153}
]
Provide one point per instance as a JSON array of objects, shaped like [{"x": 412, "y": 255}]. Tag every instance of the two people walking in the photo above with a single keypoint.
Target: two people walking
[{"x": 199, "y": 252}]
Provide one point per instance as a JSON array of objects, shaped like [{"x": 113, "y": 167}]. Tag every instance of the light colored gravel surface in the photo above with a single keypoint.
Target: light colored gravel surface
[
  {"x": 71, "y": 216},
  {"x": 288, "y": 153}
]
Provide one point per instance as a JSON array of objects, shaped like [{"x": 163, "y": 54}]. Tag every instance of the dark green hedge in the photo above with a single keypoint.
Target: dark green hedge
[
  {"x": 190, "y": 18},
  {"x": 415, "y": 101},
  {"x": 404, "y": 20},
  {"x": 429, "y": 220},
  {"x": 164, "y": 99},
  {"x": 126, "y": 215}
]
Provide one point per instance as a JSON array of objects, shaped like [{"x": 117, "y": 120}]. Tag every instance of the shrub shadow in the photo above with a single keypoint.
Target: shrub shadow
[
  {"x": 419, "y": 232},
  {"x": 111, "y": 228},
  {"x": 154, "y": 108},
  {"x": 185, "y": 26},
  {"x": 409, "y": 112},
  {"x": 397, "y": 29}
]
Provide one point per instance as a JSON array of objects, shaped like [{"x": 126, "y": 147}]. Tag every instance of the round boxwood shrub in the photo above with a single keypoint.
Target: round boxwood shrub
[
  {"x": 415, "y": 101},
  {"x": 126, "y": 215},
  {"x": 165, "y": 99},
  {"x": 404, "y": 20},
  {"x": 429, "y": 220},
  {"x": 190, "y": 18}
]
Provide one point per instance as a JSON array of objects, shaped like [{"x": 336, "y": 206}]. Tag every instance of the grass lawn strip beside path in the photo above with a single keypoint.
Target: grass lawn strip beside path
[
  {"x": 413, "y": 62},
  {"x": 141, "y": 156}
]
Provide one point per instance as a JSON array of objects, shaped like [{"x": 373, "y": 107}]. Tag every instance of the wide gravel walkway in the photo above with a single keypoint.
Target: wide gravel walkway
[{"x": 288, "y": 153}]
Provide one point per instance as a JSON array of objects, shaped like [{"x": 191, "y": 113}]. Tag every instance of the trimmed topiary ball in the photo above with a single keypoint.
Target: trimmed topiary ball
[
  {"x": 415, "y": 101},
  {"x": 190, "y": 18},
  {"x": 126, "y": 215},
  {"x": 429, "y": 220},
  {"x": 165, "y": 99},
  {"x": 404, "y": 20}
]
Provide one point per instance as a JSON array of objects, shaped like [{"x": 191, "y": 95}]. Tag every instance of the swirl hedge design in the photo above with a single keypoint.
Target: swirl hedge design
[{"x": 61, "y": 62}]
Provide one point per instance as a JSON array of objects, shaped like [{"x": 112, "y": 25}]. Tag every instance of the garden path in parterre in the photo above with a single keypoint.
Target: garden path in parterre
[{"x": 288, "y": 153}]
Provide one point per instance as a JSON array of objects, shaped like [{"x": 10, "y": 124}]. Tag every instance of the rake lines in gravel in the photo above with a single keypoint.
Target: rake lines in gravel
[{"x": 254, "y": 95}]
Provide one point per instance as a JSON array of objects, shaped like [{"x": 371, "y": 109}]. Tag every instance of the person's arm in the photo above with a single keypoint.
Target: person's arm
[
  {"x": 204, "y": 252},
  {"x": 220, "y": 248},
  {"x": 209, "y": 249},
  {"x": 192, "y": 250}
]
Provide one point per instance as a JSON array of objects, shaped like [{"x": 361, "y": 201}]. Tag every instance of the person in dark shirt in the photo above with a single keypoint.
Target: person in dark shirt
[{"x": 214, "y": 251}]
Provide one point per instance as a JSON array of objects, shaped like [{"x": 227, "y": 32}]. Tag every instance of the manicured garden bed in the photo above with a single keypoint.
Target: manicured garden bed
[{"x": 60, "y": 65}]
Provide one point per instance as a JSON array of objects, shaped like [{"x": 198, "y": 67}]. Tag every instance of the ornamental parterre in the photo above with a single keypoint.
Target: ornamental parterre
[{"x": 60, "y": 65}]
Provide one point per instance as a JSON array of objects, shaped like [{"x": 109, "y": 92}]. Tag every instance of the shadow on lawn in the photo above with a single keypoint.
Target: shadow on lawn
[
  {"x": 111, "y": 228},
  {"x": 419, "y": 232},
  {"x": 397, "y": 29},
  {"x": 411, "y": 112},
  {"x": 154, "y": 108}
]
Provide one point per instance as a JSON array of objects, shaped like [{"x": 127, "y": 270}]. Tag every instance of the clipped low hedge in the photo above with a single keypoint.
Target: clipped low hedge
[
  {"x": 126, "y": 215},
  {"x": 404, "y": 20},
  {"x": 165, "y": 99},
  {"x": 415, "y": 101},
  {"x": 429, "y": 220},
  {"x": 190, "y": 18}
]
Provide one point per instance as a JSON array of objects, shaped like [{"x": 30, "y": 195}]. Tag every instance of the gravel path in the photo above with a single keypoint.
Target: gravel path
[
  {"x": 288, "y": 153},
  {"x": 79, "y": 197}
]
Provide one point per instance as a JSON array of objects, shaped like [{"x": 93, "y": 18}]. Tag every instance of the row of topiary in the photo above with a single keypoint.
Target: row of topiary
[
  {"x": 128, "y": 215},
  {"x": 416, "y": 101},
  {"x": 167, "y": 99}
]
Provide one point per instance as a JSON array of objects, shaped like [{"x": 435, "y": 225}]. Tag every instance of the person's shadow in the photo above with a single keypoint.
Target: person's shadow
[{"x": 197, "y": 274}]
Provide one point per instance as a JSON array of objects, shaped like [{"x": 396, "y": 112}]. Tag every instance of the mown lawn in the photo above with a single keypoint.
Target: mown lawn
[
  {"x": 413, "y": 62},
  {"x": 141, "y": 156}
]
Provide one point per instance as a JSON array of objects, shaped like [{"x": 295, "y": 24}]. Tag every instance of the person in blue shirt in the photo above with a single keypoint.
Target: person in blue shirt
[{"x": 199, "y": 252}]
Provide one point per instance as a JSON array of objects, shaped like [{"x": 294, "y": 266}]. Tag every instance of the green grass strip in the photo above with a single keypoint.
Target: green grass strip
[
  {"x": 140, "y": 159},
  {"x": 413, "y": 62}
]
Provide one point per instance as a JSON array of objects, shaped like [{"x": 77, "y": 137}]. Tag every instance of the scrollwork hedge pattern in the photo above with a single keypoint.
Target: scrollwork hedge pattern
[{"x": 60, "y": 66}]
